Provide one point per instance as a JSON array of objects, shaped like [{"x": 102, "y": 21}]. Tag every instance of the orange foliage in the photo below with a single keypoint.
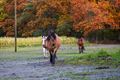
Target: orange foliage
[
  {"x": 9, "y": 8},
  {"x": 89, "y": 15}
]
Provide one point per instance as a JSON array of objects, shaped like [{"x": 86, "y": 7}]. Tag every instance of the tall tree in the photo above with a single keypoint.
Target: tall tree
[
  {"x": 51, "y": 13},
  {"x": 90, "y": 15}
]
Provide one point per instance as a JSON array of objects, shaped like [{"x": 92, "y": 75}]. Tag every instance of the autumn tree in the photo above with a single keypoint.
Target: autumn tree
[
  {"x": 6, "y": 22},
  {"x": 51, "y": 13},
  {"x": 24, "y": 14},
  {"x": 90, "y": 15},
  {"x": 35, "y": 14},
  {"x": 70, "y": 16}
]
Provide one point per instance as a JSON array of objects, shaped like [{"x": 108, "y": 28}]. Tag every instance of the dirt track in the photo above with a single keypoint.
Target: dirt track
[{"x": 35, "y": 70}]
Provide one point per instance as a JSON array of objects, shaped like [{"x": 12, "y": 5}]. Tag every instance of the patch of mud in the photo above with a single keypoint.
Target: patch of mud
[
  {"x": 41, "y": 69},
  {"x": 103, "y": 67}
]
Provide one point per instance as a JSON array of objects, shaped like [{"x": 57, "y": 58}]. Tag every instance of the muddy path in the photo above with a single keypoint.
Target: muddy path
[
  {"x": 38, "y": 68},
  {"x": 42, "y": 70}
]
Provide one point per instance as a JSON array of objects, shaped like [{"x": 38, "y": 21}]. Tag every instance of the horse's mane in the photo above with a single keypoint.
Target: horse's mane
[{"x": 51, "y": 36}]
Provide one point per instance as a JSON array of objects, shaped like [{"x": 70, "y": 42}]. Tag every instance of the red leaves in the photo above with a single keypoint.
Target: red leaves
[
  {"x": 104, "y": 13},
  {"x": 9, "y": 8},
  {"x": 21, "y": 4}
]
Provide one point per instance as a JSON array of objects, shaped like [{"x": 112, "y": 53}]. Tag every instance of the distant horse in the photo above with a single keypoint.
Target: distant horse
[
  {"x": 53, "y": 43},
  {"x": 43, "y": 43},
  {"x": 80, "y": 43}
]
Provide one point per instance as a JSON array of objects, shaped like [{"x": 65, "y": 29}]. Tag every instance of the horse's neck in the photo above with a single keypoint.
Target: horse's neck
[{"x": 43, "y": 40}]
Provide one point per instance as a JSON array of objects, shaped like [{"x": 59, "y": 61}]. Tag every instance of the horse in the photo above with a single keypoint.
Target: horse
[
  {"x": 53, "y": 43},
  {"x": 80, "y": 44},
  {"x": 45, "y": 52}
]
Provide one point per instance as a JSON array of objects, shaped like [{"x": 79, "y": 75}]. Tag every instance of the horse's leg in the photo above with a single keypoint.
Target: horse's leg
[
  {"x": 55, "y": 56},
  {"x": 55, "y": 53},
  {"x": 53, "y": 59},
  {"x": 44, "y": 52},
  {"x": 79, "y": 50},
  {"x": 82, "y": 49},
  {"x": 50, "y": 57}
]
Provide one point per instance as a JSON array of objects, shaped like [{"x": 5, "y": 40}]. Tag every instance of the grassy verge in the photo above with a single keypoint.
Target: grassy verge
[
  {"x": 10, "y": 78},
  {"x": 21, "y": 42},
  {"x": 32, "y": 41},
  {"x": 19, "y": 56},
  {"x": 102, "y": 57},
  {"x": 29, "y": 42},
  {"x": 110, "y": 56},
  {"x": 27, "y": 53}
]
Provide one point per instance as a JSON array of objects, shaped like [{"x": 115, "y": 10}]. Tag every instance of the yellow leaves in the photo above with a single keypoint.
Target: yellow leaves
[
  {"x": 31, "y": 24},
  {"x": 64, "y": 18},
  {"x": 41, "y": 8},
  {"x": 2, "y": 1},
  {"x": 46, "y": 22},
  {"x": 103, "y": 4}
]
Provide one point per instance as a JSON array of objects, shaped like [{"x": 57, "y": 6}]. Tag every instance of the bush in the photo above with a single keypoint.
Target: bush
[{"x": 104, "y": 36}]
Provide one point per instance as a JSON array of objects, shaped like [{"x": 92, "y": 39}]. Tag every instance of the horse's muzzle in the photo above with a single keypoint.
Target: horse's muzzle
[{"x": 44, "y": 46}]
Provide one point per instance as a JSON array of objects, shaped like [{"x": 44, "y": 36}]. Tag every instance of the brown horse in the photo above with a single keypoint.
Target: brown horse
[
  {"x": 53, "y": 43},
  {"x": 80, "y": 45}
]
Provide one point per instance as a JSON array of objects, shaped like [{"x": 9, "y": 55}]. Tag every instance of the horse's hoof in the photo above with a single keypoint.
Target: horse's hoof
[
  {"x": 45, "y": 57},
  {"x": 56, "y": 57}
]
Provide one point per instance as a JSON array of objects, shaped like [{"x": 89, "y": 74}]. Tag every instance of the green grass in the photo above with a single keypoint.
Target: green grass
[
  {"x": 101, "y": 57},
  {"x": 113, "y": 78},
  {"x": 17, "y": 56},
  {"x": 85, "y": 76},
  {"x": 27, "y": 53},
  {"x": 106, "y": 56}
]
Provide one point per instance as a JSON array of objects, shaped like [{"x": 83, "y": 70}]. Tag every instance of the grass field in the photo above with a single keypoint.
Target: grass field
[
  {"x": 28, "y": 63},
  {"x": 31, "y": 41},
  {"x": 92, "y": 54},
  {"x": 101, "y": 57}
]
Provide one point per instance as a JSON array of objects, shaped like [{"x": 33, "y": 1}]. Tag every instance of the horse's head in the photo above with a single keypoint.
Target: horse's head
[{"x": 51, "y": 36}]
